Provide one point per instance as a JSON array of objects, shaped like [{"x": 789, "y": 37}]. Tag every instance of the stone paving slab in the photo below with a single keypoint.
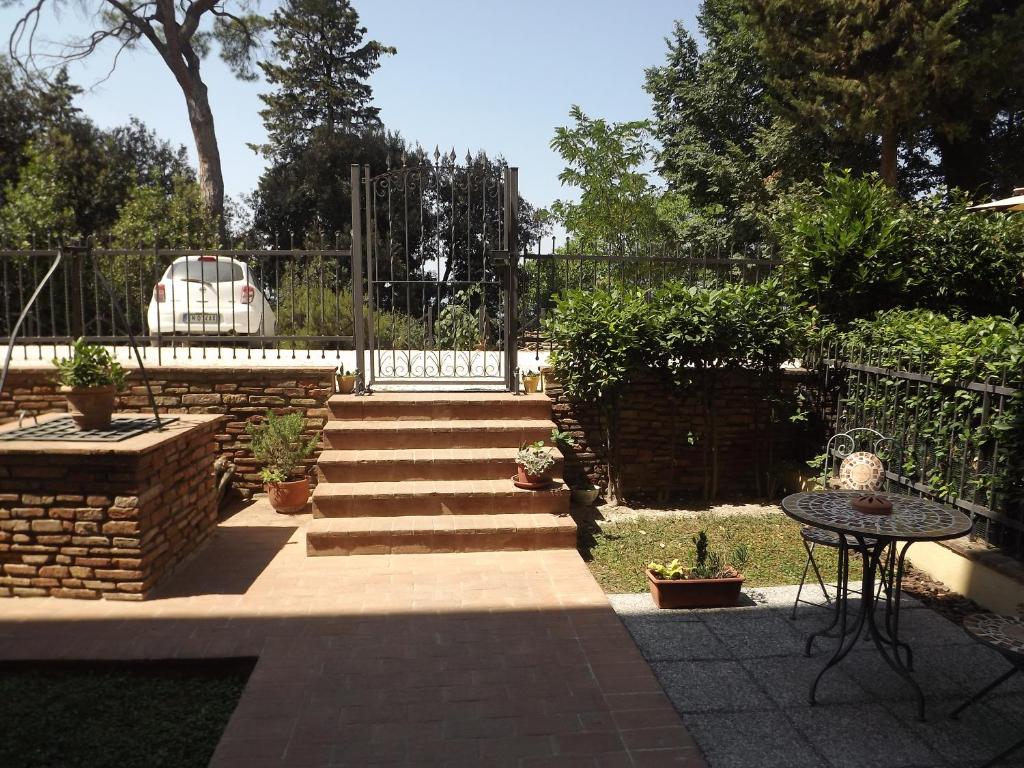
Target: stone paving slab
[
  {"x": 482, "y": 659},
  {"x": 749, "y": 708}
]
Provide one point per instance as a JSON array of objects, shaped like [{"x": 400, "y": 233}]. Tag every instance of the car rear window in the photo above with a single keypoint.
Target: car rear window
[{"x": 220, "y": 271}]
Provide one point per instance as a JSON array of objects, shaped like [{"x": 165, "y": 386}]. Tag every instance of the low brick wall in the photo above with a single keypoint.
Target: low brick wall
[
  {"x": 661, "y": 454},
  {"x": 240, "y": 393},
  {"x": 90, "y": 520}
]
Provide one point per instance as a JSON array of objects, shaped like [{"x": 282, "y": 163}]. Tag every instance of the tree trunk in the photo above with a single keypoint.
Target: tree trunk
[
  {"x": 890, "y": 157},
  {"x": 610, "y": 444},
  {"x": 200, "y": 117}
]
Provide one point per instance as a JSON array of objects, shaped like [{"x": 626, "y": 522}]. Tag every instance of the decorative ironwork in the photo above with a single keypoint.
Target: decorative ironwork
[{"x": 435, "y": 240}]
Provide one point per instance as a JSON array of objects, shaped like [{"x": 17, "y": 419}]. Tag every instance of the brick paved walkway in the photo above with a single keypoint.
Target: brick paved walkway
[{"x": 484, "y": 659}]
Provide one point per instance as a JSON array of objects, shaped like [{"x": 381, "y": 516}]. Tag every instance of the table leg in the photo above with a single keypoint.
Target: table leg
[
  {"x": 847, "y": 638},
  {"x": 892, "y": 620}
]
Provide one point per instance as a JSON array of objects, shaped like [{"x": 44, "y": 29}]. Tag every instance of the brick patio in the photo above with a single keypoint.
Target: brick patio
[{"x": 478, "y": 659}]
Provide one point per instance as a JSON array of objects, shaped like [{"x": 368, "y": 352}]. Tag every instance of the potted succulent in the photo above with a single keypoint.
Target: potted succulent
[
  {"x": 279, "y": 444},
  {"x": 531, "y": 382},
  {"x": 89, "y": 379},
  {"x": 346, "y": 380},
  {"x": 710, "y": 583}
]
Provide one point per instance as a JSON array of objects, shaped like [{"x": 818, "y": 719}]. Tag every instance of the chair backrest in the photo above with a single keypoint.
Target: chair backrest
[{"x": 859, "y": 439}]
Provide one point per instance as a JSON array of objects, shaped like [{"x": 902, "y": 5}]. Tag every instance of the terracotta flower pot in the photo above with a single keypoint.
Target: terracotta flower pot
[
  {"x": 90, "y": 407},
  {"x": 527, "y": 479},
  {"x": 694, "y": 593},
  {"x": 531, "y": 384},
  {"x": 288, "y": 497},
  {"x": 346, "y": 384}
]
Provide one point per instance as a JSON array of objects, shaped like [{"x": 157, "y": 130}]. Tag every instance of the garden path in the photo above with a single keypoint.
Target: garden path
[{"x": 477, "y": 659}]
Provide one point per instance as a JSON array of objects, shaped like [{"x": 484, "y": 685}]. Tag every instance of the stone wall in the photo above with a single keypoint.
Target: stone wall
[
  {"x": 241, "y": 393},
  {"x": 90, "y": 523},
  {"x": 661, "y": 438}
]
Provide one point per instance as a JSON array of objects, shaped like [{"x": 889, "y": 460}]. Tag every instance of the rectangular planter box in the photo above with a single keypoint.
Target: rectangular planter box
[{"x": 694, "y": 593}]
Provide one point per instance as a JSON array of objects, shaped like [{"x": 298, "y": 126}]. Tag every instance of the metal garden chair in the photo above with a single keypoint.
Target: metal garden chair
[{"x": 866, "y": 450}]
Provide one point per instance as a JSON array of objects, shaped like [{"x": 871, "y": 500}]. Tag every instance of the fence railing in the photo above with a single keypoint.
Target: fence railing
[
  {"x": 235, "y": 303},
  {"x": 957, "y": 441},
  {"x": 546, "y": 274}
]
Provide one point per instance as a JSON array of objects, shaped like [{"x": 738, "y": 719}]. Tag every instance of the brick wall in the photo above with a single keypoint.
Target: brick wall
[
  {"x": 656, "y": 457},
  {"x": 89, "y": 525},
  {"x": 240, "y": 393}
]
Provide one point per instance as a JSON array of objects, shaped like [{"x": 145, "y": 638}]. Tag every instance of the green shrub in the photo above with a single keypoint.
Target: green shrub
[
  {"x": 89, "y": 366},
  {"x": 852, "y": 248},
  {"x": 279, "y": 444}
]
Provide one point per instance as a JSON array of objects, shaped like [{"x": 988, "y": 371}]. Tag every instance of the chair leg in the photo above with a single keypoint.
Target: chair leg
[
  {"x": 991, "y": 686},
  {"x": 809, "y": 564},
  {"x": 1004, "y": 754}
]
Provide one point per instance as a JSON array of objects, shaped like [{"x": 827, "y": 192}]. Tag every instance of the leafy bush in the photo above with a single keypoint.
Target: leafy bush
[
  {"x": 601, "y": 338},
  {"x": 278, "y": 443},
  {"x": 852, "y": 247},
  {"x": 846, "y": 247},
  {"x": 89, "y": 366}
]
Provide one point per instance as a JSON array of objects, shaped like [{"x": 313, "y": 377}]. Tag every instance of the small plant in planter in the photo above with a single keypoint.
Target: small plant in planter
[
  {"x": 346, "y": 380},
  {"x": 279, "y": 444},
  {"x": 89, "y": 379},
  {"x": 535, "y": 460},
  {"x": 711, "y": 582},
  {"x": 531, "y": 382}
]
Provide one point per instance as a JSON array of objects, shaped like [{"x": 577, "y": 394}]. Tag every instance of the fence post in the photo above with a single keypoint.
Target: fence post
[{"x": 357, "y": 273}]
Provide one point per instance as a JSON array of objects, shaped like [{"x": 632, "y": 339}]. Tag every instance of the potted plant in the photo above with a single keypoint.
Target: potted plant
[
  {"x": 585, "y": 495},
  {"x": 346, "y": 380},
  {"x": 278, "y": 443},
  {"x": 531, "y": 382},
  {"x": 89, "y": 379},
  {"x": 710, "y": 583},
  {"x": 534, "y": 462}
]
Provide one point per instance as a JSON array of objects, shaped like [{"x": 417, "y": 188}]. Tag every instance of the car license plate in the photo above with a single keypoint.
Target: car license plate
[{"x": 201, "y": 317}]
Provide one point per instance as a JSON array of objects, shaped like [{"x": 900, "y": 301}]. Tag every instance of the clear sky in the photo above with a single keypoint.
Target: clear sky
[{"x": 473, "y": 74}]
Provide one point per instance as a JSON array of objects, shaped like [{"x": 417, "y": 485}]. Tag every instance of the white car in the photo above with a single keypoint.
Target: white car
[{"x": 209, "y": 295}]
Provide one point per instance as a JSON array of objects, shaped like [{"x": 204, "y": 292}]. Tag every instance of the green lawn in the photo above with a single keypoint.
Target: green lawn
[
  {"x": 617, "y": 553},
  {"x": 91, "y": 715}
]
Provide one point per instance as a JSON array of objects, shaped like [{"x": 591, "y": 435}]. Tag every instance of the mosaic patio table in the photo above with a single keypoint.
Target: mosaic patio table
[{"x": 882, "y": 540}]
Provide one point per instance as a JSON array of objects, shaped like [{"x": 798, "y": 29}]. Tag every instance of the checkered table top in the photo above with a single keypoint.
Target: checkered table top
[{"x": 1004, "y": 633}]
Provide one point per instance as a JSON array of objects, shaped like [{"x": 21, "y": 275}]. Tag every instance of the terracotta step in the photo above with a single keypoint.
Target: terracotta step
[
  {"x": 438, "y": 533},
  {"x": 435, "y": 497},
  {"x": 440, "y": 406},
  {"x": 421, "y": 464},
  {"x": 394, "y": 434}
]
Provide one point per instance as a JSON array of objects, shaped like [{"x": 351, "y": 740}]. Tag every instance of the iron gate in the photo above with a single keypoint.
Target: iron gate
[{"x": 434, "y": 272}]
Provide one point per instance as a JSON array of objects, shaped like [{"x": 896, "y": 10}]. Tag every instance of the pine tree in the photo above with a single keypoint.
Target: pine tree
[
  {"x": 320, "y": 73},
  {"x": 860, "y": 67}
]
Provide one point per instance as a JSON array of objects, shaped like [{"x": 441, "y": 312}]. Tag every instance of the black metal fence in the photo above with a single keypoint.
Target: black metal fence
[
  {"x": 182, "y": 302},
  {"x": 546, "y": 274},
  {"x": 958, "y": 441}
]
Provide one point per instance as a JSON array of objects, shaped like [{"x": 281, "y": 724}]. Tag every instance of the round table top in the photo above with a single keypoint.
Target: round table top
[
  {"x": 1004, "y": 633},
  {"x": 912, "y": 519}
]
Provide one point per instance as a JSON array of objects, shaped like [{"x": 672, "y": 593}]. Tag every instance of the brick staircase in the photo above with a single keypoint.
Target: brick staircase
[{"x": 431, "y": 472}]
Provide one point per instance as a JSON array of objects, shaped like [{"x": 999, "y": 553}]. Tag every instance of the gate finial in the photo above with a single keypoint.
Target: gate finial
[{"x": 437, "y": 154}]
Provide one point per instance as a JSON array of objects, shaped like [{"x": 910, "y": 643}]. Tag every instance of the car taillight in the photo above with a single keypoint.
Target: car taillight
[
  {"x": 248, "y": 294},
  {"x": 159, "y": 292}
]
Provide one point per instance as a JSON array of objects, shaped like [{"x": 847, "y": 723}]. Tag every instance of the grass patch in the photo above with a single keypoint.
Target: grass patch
[
  {"x": 617, "y": 553},
  {"x": 125, "y": 714}
]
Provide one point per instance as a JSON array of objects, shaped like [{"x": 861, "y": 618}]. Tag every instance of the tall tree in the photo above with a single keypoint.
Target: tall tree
[
  {"x": 181, "y": 33},
  {"x": 860, "y": 67},
  {"x": 319, "y": 74},
  {"x": 726, "y": 151},
  {"x": 618, "y": 205}
]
